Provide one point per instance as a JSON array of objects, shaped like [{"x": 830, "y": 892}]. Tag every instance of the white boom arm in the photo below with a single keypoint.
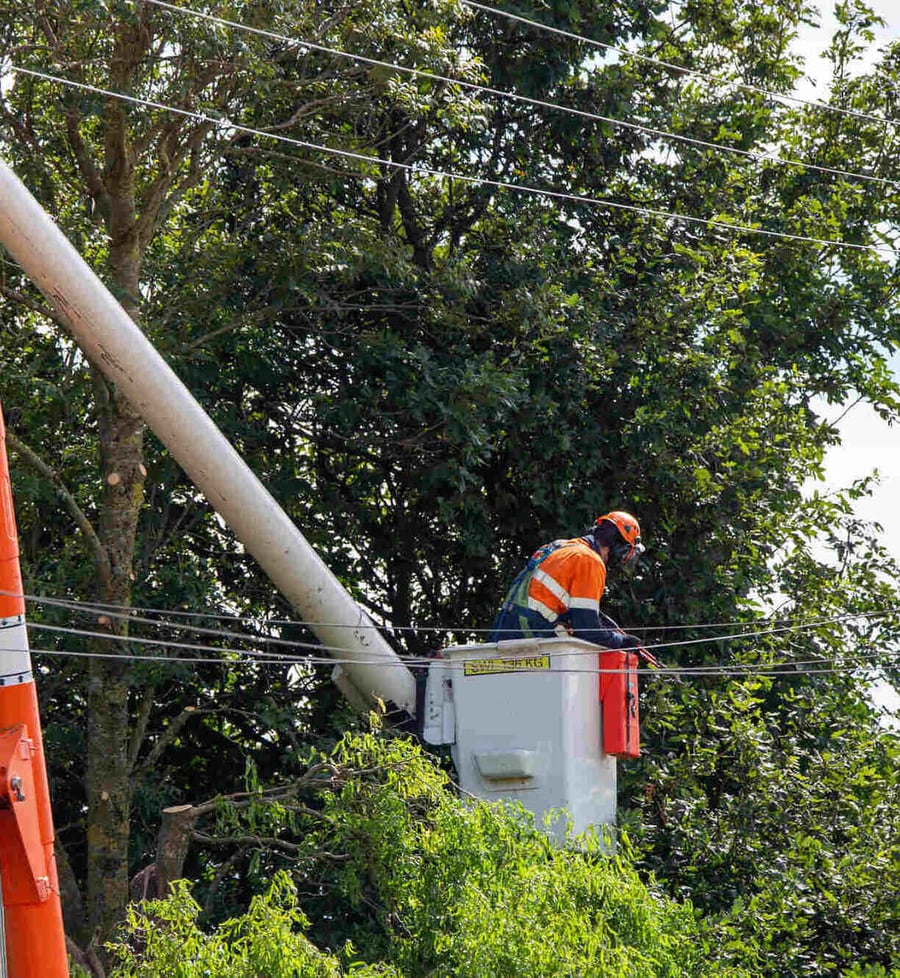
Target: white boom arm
[{"x": 116, "y": 345}]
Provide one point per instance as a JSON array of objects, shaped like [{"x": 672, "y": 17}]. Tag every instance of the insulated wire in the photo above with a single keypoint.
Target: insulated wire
[
  {"x": 127, "y": 612},
  {"x": 430, "y": 171},
  {"x": 173, "y": 644},
  {"x": 236, "y": 656},
  {"x": 407, "y": 660},
  {"x": 131, "y": 618},
  {"x": 102, "y": 610},
  {"x": 681, "y": 69},
  {"x": 222, "y": 633},
  {"x": 513, "y": 96},
  {"x": 820, "y": 666},
  {"x": 142, "y": 615},
  {"x": 794, "y": 627}
]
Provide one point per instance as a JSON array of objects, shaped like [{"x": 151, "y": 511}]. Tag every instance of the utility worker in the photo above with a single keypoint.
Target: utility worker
[{"x": 560, "y": 588}]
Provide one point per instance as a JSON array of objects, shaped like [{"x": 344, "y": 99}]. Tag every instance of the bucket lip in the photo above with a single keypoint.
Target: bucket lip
[{"x": 519, "y": 646}]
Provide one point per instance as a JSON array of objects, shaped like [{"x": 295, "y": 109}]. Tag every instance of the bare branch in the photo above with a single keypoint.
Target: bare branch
[
  {"x": 242, "y": 799},
  {"x": 306, "y": 109},
  {"x": 98, "y": 551},
  {"x": 248, "y": 841},
  {"x": 294, "y": 160},
  {"x": 69, "y": 890},
  {"x": 237, "y": 322},
  {"x": 42, "y": 310},
  {"x": 86, "y": 165},
  {"x": 86, "y": 960},
  {"x": 166, "y": 738},
  {"x": 223, "y": 871},
  {"x": 156, "y": 199},
  {"x": 140, "y": 724}
]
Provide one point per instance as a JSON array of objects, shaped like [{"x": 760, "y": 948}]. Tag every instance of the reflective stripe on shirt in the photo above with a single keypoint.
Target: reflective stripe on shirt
[
  {"x": 556, "y": 589},
  {"x": 535, "y": 605},
  {"x": 572, "y": 576},
  {"x": 592, "y": 604}
]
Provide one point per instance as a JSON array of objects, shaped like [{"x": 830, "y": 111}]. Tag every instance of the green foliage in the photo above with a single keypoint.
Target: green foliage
[
  {"x": 871, "y": 971},
  {"x": 434, "y": 376},
  {"x": 163, "y": 940},
  {"x": 416, "y": 882},
  {"x": 774, "y": 804},
  {"x": 774, "y": 801}
]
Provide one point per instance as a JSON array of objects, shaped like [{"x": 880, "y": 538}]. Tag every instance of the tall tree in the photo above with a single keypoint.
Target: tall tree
[
  {"x": 433, "y": 374},
  {"x": 117, "y": 169}
]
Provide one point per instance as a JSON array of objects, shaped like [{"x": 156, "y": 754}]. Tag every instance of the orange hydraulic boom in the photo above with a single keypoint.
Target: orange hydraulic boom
[{"x": 33, "y": 927}]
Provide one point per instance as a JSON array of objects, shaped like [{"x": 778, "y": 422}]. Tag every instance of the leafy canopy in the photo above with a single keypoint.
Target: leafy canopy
[{"x": 419, "y": 882}]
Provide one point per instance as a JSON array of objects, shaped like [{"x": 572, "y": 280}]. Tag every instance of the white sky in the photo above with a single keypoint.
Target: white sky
[
  {"x": 812, "y": 42},
  {"x": 868, "y": 442}
]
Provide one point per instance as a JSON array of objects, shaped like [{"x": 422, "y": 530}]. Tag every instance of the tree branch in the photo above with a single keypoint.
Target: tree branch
[
  {"x": 158, "y": 196},
  {"x": 140, "y": 725},
  {"x": 247, "y": 841},
  {"x": 86, "y": 960},
  {"x": 237, "y": 322},
  {"x": 98, "y": 551},
  {"x": 241, "y": 799},
  {"x": 42, "y": 310},
  {"x": 87, "y": 166},
  {"x": 69, "y": 891},
  {"x": 165, "y": 740}
]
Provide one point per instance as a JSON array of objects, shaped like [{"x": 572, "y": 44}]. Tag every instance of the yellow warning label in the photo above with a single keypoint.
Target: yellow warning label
[{"x": 484, "y": 667}]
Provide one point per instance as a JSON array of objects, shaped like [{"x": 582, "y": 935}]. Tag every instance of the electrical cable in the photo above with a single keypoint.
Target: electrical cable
[
  {"x": 681, "y": 69},
  {"x": 125, "y": 612},
  {"x": 196, "y": 629},
  {"x": 538, "y": 103},
  {"x": 462, "y": 177},
  {"x": 187, "y": 646},
  {"x": 140, "y": 615},
  {"x": 410, "y": 661},
  {"x": 174, "y": 660},
  {"x": 231, "y": 656},
  {"x": 749, "y": 671}
]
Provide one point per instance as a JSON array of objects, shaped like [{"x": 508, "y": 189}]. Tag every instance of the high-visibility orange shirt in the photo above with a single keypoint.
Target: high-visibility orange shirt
[
  {"x": 560, "y": 588},
  {"x": 571, "y": 577}
]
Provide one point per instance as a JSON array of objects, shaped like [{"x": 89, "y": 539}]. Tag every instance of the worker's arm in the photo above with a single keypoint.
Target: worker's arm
[
  {"x": 586, "y": 624},
  {"x": 586, "y": 584}
]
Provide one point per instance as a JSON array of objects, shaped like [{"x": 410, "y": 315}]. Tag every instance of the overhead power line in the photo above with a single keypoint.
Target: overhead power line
[
  {"x": 186, "y": 646},
  {"x": 449, "y": 175},
  {"x": 307, "y": 654},
  {"x": 792, "y": 669},
  {"x": 313, "y": 647},
  {"x": 758, "y": 627},
  {"x": 524, "y": 99},
  {"x": 681, "y": 69}
]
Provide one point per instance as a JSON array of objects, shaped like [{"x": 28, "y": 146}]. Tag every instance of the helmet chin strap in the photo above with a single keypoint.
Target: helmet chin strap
[
  {"x": 627, "y": 553},
  {"x": 623, "y": 552},
  {"x": 620, "y": 551}
]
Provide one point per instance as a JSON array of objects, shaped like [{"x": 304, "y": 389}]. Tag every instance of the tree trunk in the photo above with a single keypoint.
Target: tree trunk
[
  {"x": 121, "y": 433},
  {"x": 109, "y": 790},
  {"x": 174, "y": 840}
]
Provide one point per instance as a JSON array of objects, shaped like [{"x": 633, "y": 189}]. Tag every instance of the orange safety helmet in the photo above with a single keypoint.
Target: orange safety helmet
[{"x": 629, "y": 530}]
